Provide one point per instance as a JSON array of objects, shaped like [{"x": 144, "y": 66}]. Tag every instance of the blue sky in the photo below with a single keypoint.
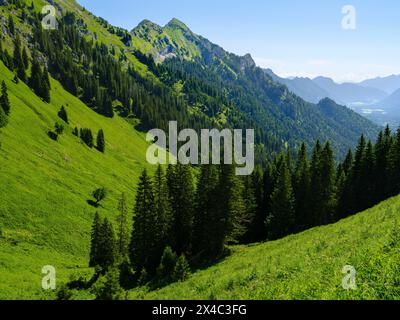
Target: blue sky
[{"x": 292, "y": 37}]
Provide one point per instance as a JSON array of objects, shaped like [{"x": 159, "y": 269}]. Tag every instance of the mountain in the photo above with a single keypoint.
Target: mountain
[
  {"x": 388, "y": 84},
  {"x": 306, "y": 266},
  {"x": 239, "y": 91},
  {"x": 314, "y": 90},
  {"x": 303, "y": 87},
  {"x": 349, "y": 93},
  {"x": 386, "y": 111}
]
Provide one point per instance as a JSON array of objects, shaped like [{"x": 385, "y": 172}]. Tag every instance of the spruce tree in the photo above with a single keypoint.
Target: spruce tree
[
  {"x": 94, "y": 242},
  {"x": 280, "y": 221},
  {"x": 25, "y": 58},
  {"x": 18, "y": 60},
  {"x": 301, "y": 187},
  {"x": 316, "y": 205},
  {"x": 100, "y": 141},
  {"x": 182, "y": 195},
  {"x": 62, "y": 114},
  {"x": 182, "y": 269},
  {"x": 144, "y": 249},
  {"x": 163, "y": 208},
  {"x": 11, "y": 25},
  {"x": 328, "y": 191},
  {"x": 3, "y": 118},
  {"x": 123, "y": 230},
  {"x": 4, "y": 100},
  {"x": 206, "y": 243},
  {"x": 107, "y": 246}
]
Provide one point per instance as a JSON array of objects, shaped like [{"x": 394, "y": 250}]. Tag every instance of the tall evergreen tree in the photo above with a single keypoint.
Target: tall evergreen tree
[
  {"x": 3, "y": 118},
  {"x": 301, "y": 187},
  {"x": 62, "y": 114},
  {"x": 100, "y": 142},
  {"x": 206, "y": 240},
  {"x": 106, "y": 246},
  {"x": 181, "y": 189},
  {"x": 4, "y": 100},
  {"x": 328, "y": 191},
  {"x": 123, "y": 230},
  {"x": 144, "y": 249},
  {"x": 163, "y": 208},
  {"x": 280, "y": 221},
  {"x": 95, "y": 240},
  {"x": 18, "y": 60}
]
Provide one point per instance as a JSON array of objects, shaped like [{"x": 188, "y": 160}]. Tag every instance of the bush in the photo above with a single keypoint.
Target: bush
[{"x": 107, "y": 287}]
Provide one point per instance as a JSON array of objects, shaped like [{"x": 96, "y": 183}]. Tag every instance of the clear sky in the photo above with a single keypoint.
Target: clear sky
[{"x": 292, "y": 37}]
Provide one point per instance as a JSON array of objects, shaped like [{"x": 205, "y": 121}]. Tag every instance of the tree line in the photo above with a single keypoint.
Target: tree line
[{"x": 195, "y": 213}]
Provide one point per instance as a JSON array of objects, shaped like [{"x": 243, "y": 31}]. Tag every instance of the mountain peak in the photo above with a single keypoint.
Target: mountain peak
[
  {"x": 177, "y": 24},
  {"x": 148, "y": 25}
]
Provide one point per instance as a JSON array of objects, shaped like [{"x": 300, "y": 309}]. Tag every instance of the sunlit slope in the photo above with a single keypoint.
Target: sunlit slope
[
  {"x": 308, "y": 265},
  {"x": 45, "y": 185}
]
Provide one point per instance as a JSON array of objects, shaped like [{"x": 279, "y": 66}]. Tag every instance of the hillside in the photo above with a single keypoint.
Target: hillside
[
  {"x": 44, "y": 216},
  {"x": 307, "y": 265}
]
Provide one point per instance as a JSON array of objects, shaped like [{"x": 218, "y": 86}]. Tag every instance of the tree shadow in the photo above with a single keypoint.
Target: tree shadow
[{"x": 93, "y": 204}]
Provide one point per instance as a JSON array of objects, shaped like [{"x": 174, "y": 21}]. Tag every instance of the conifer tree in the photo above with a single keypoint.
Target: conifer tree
[
  {"x": 100, "y": 141},
  {"x": 328, "y": 191},
  {"x": 4, "y": 100},
  {"x": 3, "y": 118},
  {"x": 167, "y": 266},
  {"x": 106, "y": 246},
  {"x": 11, "y": 25},
  {"x": 123, "y": 231},
  {"x": 18, "y": 60},
  {"x": 25, "y": 58},
  {"x": 231, "y": 207},
  {"x": 62, "y": 114},
  {"x": 280, "y": 221},
  {"x": 316, "y": 186},
  {"x": 182, "y": 195},
  {"x": 144, "y": 249},
  {"x": 182, "y": 269},
  {"x": 301, "y": 188},
  {"x": 205, "y": 244},
  {"x": 95, "y": 240},
  {"x": 163, "y": 208}
]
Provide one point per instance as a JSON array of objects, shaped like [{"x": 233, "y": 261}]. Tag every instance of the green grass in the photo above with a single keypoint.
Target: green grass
[
  {"x": 307, "y": 265},
  {"x": 44, "y": 216}
]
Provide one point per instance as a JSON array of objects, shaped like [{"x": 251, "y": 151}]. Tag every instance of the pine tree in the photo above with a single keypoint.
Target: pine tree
[
  {"x": 182, "y": 269},
  {"x": 181, "y": 190},
  {"x": 18, "y": 60},
  {"x": 316, "y": 186},
  {"x": 25, "y": 58},
  {"x": 280, "y": 221},
  {"x": 144, "y": 249},
  {"x": 328, "y": 191},
  {"x": 257, "y": 231},
  {"x": 165, "y": 271},
  {"x": 123, "y": 231},
  {"x": 100, "y": 142},
  {"x": 4, "y": 100},
  {"x": 95, "y": 240},
  {"x": 11, "y": 25},
  {"x": 3, "y": 118},
  {"x": 62, "y": 114},
  {"x": 106, "y": 246},
  {"x": 394, "y": 166},
  {"x": 163, "y": 208},
  {"x": 45, "y": 86},
  {"x": 205, "y": 242},
  {"x": 301, "y": 187}
]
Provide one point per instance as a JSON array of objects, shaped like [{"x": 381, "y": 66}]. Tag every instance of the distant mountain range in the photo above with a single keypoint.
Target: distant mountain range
[{"x": 377, "y": 99}]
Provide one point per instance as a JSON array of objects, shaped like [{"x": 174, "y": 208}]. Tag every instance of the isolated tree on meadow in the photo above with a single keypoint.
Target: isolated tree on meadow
[
  {"x": 100, "y": 141},
  {"x": 99, "y": 194},
  {"x": 4, "y": 100}
]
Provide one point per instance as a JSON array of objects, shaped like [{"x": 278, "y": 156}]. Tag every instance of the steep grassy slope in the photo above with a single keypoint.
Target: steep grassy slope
[
  {"x": 308, "y": 265},
  {"x": 44, "y": 216}
]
